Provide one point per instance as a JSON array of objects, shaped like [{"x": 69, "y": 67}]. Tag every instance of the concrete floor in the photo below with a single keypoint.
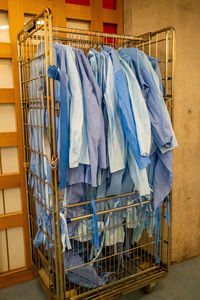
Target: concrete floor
[{"x": 183, "y": 283}]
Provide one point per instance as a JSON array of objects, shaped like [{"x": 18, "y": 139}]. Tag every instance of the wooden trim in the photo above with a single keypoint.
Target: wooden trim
[
  {"x": 7, "y": 96},
  {"x": 11, "y": 220},
  {"x": 120, "y": 23},
  {"x": 14, "y": 277},
  {"x": 115, "y": 16},
  {"x": 34, "y": 6},
  {"x": 16, "y": 23},
  {"x": 5, "y": 50},
  {"x": 9, "y": 180},
  {"x": 8, "y": 139},
  {"x": 97, "y": 15},
  {"x": 58, "y": 12},
  {"x": 78, "y": 12},
  {"x": 110, "y": 16},
  {"x": 4, "y": 5}
]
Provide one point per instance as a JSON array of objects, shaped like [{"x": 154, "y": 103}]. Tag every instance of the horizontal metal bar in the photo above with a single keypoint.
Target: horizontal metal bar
[
  {"x": 109, "y": 227},
  {"x": 99, "y": 199},
  {"x": 38, "y": 177},
  {"x": 94, "y": 33},
  {"x": 32, "y": 79},
  {"x": 125, "y": 285},
  {"x": 37, "y": 152},
  {"x": 112, "y": 255},
  {"x": 34, "y": 58},
  {"x": 33, "y": 125},
  {"x": 108, "y": 211},
  {"x": 29, "y": 34}
]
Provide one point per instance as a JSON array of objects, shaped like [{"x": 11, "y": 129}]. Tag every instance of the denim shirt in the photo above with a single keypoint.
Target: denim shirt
[
  {"x": 93, "y": 110},
  {"x": 128, "y": 118}
]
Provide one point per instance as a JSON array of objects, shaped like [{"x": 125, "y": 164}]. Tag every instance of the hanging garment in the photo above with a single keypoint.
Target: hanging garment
[
  {"x": 160, "y": 169},
  {"x": 128, "y": 118},
  {"x": 155, "y": 65},
  {"x": 78, "y": 146},
  {"x": 64, "y": 117},
  {"x": 115, "y": 134},
  {"x": 142, "y": 174},
  {"x": 149, "y": 83},
  {"x": 116, "y": 145},
  {"x": 94, "y": 120},
  {"x": 140, "y": 111}
]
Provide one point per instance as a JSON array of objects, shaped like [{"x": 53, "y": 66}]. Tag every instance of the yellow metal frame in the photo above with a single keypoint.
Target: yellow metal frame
[{"x": 139, "y": 268}]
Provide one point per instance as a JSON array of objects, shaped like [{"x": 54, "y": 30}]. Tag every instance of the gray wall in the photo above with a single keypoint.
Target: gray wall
[{"x": 184, "y": 16}]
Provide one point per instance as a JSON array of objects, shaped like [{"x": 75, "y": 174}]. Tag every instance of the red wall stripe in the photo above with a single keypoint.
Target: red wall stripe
[
  {"x": 109, "y": 28},
  {"x": 79, "y": 2},
  {"x": 109, "y": 4}
]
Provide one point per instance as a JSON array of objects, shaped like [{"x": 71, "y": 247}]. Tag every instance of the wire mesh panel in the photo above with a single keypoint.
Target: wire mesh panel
[
  {"x": 35, "y": 55},
  {"x": 126, "y": 258}
]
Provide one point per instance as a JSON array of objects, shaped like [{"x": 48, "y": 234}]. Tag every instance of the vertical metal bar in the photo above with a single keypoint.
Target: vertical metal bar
[
  {"x": 150, "y": 38},
  {"x": 166, "y": 61},
  {"x": 156, "y": 41},
  {"x": 172, "y": 119},
  {"x": 60, "y": 254},
  {"x": 51, "y": 172},
  {"x": 173, "y": 70}
]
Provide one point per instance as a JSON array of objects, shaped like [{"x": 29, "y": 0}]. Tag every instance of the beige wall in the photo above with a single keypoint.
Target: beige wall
[{"x": 184, "y": 16}]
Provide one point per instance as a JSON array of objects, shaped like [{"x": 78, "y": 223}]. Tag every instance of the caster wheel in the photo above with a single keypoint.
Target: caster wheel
[{"x": 149, "y": 288}]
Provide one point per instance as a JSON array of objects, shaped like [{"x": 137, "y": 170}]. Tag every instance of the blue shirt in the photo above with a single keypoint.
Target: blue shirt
[
  {"x": 149, "y": 83},
  {"x": 63, "y": 127},
  {"x": 155, "y": 65},
  {"x": 128, "y": 119},
  {"x": 116, "y": 142},
  {"x": 78, "y": 147},
  {"x": 160, "y": 169},
  {"x": 94, "y": 117},
  {"x": 139, "y": 108}
]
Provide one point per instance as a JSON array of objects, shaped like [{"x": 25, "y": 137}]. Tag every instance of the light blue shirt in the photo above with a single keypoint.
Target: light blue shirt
[
  {"x": 149, "y": 83},
  {"x": 142, "y": 121},
  {"x": 94, "y": 116},
  {"x": 155, "y": 65},
  {"x": 160, "y": 169},
  {"x": 78, "y": 147},
  {"x": 128, "y": 118},
  {"x": 116, "y": 142}
]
